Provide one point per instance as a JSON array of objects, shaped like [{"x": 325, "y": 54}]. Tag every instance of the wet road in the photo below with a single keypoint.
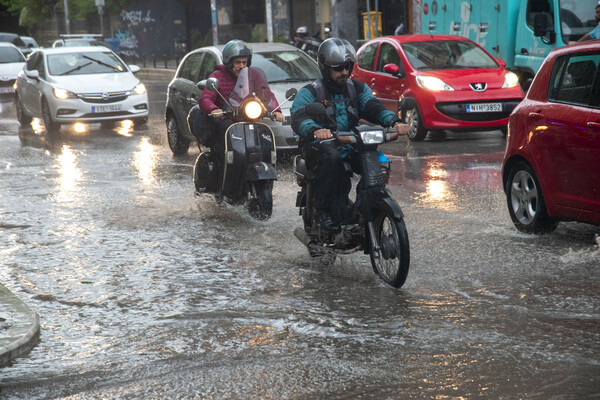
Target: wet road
[{"x": 144, "y": 291}]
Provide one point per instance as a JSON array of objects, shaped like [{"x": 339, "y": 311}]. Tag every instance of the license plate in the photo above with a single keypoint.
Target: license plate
[
  {"x": 7, "y": 89},
  {"x": 484, "y": 107},
  {"x": 109, "y": 108}
]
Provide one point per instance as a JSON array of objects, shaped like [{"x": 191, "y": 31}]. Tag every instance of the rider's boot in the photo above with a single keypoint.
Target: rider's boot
[{"x": 325, "y": 221}]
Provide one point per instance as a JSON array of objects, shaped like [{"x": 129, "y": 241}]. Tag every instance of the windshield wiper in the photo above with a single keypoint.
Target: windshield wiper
[
  {"x": 102, "y": 63},
  {"x": 287, "y": 80},
  {"x": 77, "y": 68}
]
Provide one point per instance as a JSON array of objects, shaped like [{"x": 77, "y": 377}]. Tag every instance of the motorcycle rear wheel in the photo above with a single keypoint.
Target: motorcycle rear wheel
[
  {"x": 394, "y": 257},
  {"x": 261, "y": 206}
]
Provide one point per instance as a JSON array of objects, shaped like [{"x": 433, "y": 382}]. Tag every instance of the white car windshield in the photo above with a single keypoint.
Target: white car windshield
[
  {"x": 252, "y": 80},
  {"x": 84, "y": 63},
  {"x": 10, "y": 55},
  {"x": 286, "y": 66},
  {"x": 447, "y": 54}
]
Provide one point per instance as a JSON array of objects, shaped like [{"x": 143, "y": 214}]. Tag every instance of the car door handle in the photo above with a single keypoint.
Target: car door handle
[
  {"x": 372, "y": 81},
  {"x": 593, "y": 125},
  {"x": 534, "y": 115}
]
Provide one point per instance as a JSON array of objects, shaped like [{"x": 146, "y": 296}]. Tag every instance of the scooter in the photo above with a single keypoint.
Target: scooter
[
  {"x": 309, "y": 44},
  {"x": 374, "y": 222},
  {"x": 248, "y": 171}
]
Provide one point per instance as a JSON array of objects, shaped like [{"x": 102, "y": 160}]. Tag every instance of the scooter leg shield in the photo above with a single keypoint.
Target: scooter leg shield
[{"x": 204, "y": 173}]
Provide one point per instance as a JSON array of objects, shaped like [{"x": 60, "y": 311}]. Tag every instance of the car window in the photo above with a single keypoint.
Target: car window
[
  {"x": 387, "y": 55},
  {"x": 573, "y": 77},
  {"x": 208, "y": 66},
  {"x": 10, "y": 55},
  {"x": 536, "y": 7},
  {"x": 286, "y": 66},
  {"x": 447, "y": 54},
  {"x": 367, "y": 56},
  {"x": 191, "y": 67},
  {"x": 84, "y": 63}
]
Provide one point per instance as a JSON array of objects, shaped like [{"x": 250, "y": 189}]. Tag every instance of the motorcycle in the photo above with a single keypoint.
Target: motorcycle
[
  {"x": 374, "y": 222},
  {"x": 250, "y": 154},
  {"x": 306, "y": 43}
]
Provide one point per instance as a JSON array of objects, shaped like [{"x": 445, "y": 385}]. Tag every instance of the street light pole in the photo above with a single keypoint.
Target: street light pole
[{"x": 67, "y": 23}]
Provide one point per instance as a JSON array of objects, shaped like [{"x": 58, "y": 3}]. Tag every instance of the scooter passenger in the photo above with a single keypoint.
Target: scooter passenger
[
  {"x": 237, "y": 55},
  {"x": 346, "y": 102}
]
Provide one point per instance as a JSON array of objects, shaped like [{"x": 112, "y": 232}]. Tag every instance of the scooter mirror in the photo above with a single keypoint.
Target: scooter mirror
[
  {"x": 212, "y": 84},
  {"x": 291, "y": 93},
  {"x": 315, "y": 109}
]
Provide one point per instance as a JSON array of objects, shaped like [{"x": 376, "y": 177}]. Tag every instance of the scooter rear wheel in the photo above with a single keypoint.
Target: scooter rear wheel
[
  {"x": 394, "y": 256},
  {"x": 261, "y": 206}
]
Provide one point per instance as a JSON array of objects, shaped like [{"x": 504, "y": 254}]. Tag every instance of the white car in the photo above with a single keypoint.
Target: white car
[
  {"x": 11, "y": 62},
  {"x": 79, "y": 84}
]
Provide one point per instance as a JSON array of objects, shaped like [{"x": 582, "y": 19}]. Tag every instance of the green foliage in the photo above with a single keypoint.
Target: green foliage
[
  {"x": 198, "y": 40},
  {"x": 259, "y": 33}
]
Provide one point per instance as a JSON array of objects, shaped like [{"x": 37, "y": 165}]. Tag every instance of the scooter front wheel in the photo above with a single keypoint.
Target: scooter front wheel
[
  {"x": 394, "y": 254},
  {"x": 261, "y": 205}
]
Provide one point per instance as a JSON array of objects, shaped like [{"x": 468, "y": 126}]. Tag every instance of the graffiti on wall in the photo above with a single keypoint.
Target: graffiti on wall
[{"x": 132, "y": 36}]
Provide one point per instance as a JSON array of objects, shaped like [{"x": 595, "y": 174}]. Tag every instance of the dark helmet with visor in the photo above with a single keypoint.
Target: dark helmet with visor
[
  {"x": 336, "y": 53},
  {"x": 236, "y": 48}
]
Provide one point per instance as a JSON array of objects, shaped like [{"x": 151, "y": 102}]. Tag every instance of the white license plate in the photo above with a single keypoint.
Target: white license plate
[
  {"x": 7, "y": 89},
  {"x": 484, "y": 107},
  {"x": 109, "y": 108}
]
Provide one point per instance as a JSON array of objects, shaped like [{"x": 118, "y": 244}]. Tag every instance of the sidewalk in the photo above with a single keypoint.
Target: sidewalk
[{"x": 19, "y": 327}]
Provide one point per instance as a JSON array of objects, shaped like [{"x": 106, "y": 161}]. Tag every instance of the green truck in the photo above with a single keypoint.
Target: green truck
[{"x": 520, "y": 32}]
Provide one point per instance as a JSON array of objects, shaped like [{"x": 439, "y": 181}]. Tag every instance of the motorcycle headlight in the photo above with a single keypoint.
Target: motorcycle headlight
[
  {"x": 63, "y": 94},
  {"x": 433, "y": 83},
  {"x": 139, "y": 89},
  {"x": 253, "y": 109},
  {"x": 510, "y": 80},
  {"x": 372, "y": 137}
]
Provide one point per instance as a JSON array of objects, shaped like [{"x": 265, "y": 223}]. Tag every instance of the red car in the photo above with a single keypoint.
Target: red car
[
  {"x": 551, "y": 167},
  {"x": 456, "y": 84}
]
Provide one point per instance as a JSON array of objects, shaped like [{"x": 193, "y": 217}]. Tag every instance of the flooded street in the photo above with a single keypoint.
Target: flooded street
[{"x": 144, "y": 291}]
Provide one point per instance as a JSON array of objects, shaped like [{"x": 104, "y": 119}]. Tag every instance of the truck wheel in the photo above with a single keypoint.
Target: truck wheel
[{"x": 416, "y": 131}]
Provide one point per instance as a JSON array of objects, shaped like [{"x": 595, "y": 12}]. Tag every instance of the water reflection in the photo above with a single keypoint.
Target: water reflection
[
  {"x": 125, "y": 128},
  {"x": 144, "y": 161},
  {"x": 69, "y": 173}
]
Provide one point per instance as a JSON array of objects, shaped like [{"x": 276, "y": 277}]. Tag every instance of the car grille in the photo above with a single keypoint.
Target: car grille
[
  {"x": 6, "y": 90},
  {"x": 109, "y": 97},
  {"x": 459, "y": 110}
]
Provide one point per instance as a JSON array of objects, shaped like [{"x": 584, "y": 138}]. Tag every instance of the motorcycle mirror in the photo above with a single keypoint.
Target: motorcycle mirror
[
  {"x": 315, "y": 109},
  {"x": 212, "y": 84},
  {"x": 291, "y": 93}
]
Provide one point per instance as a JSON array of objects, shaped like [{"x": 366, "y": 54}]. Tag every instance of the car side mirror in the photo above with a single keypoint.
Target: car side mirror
[
  {"x": 540, "y": 24},
  {"x": 394, "y": 70},
  {"x": 33, "y": 74},
  {"x": 212, "y": 84},
  {"x": 201, "y": 84},
  {"x": 134, "y": 68},
  {"x": 502, "y": 63}
]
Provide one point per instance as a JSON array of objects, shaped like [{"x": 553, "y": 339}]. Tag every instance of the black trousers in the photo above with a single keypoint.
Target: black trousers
[
  {"x": 218, "y": 148},
  {"x": 331, "y": 184}
]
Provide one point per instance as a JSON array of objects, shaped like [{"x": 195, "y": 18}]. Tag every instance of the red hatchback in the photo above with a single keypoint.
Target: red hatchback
[
  {"x": 457, "y": 85},
  {"x": 551, "y": 168}
]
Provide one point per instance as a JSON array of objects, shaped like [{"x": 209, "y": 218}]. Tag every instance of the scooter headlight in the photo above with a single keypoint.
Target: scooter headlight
[
  {"x": 372, "y": 137},
  {"x": 253, "y": 109}
]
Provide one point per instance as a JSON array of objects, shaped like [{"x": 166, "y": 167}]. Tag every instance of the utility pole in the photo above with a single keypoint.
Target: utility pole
[
  {"x": 213, "y": 13},
  {"x": 67, "y": 23},
  {"x": 100, "y": 4},
  {"x": 269, "y": 12}
]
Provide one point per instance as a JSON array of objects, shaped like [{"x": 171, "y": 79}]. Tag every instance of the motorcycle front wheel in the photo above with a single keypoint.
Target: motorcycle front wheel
[
  {"x": 394, "y": 254},
  {"x": 261, "y": 206}
]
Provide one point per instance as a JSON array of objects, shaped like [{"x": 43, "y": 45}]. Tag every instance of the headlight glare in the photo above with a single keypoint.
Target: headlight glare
[
  {"x": 63, "y": 94},
  {"x": 433, "y": 83},
  {"x": 510, "y": 80},
  {"x": 372, "y": 137},
  {"x": 139, "y": 89},
  {"x": 253, "y": 109}
]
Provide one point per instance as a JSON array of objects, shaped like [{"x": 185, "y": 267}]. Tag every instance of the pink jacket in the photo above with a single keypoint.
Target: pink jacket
[{"x": 211, "y": 100}]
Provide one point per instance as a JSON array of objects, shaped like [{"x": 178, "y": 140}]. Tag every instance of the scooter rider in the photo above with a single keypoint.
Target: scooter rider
[
  {"x": 346, "y": 101},
  {"x": 237, "y": 55}
]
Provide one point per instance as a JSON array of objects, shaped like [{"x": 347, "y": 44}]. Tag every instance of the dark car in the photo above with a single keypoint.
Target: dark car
[
  {"x": 16, "y": 40},
  {"x": 551, "y": 167},
  {"x": 285, "y": 66},
  {"x": 456, "y": 84}
]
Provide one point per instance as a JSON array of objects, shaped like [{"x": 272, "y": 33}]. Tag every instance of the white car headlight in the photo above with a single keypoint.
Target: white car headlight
[
  {"x": 139, "y": 89},
  {"x": 510, "y": 80},
  {"x": 433, "y": 83},
  {"x": 372, "y": 137},
  {"x": 63, "y": 94}
]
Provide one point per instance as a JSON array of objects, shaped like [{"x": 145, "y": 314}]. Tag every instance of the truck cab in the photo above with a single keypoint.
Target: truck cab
[{"x": 520, "y": 32}]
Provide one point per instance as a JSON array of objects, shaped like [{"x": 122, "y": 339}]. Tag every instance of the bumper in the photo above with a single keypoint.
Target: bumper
[
  {"x": 284, "y": 136},
  {"x": 76, "y": 110}
]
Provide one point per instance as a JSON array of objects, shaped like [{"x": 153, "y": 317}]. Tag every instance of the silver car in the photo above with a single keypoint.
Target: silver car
[
  {"x": 79, "y": 84},
  {"x": 284, "y": 65},
  {"x": 11, "y": 62}
]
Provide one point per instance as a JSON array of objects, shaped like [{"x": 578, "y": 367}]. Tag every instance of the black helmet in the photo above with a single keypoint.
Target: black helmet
[
  {"x": 236, "y": 48},
  {"x": 334, "y": 52}
]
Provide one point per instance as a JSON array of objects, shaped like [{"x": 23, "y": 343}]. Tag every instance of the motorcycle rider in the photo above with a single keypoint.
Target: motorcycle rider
[
  {"x": 346, "y": 101},
  {"x": 237, "y": 55}
]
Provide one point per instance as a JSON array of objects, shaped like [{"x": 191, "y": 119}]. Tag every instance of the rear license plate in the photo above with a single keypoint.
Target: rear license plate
[
  {"x": 110, "y": 108},
  {"x": 484, "y": 107},
  {"x": 7, "y": 89}
]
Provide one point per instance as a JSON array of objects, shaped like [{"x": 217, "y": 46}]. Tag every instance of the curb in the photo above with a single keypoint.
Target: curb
[{"x": 23, "y": 327}]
